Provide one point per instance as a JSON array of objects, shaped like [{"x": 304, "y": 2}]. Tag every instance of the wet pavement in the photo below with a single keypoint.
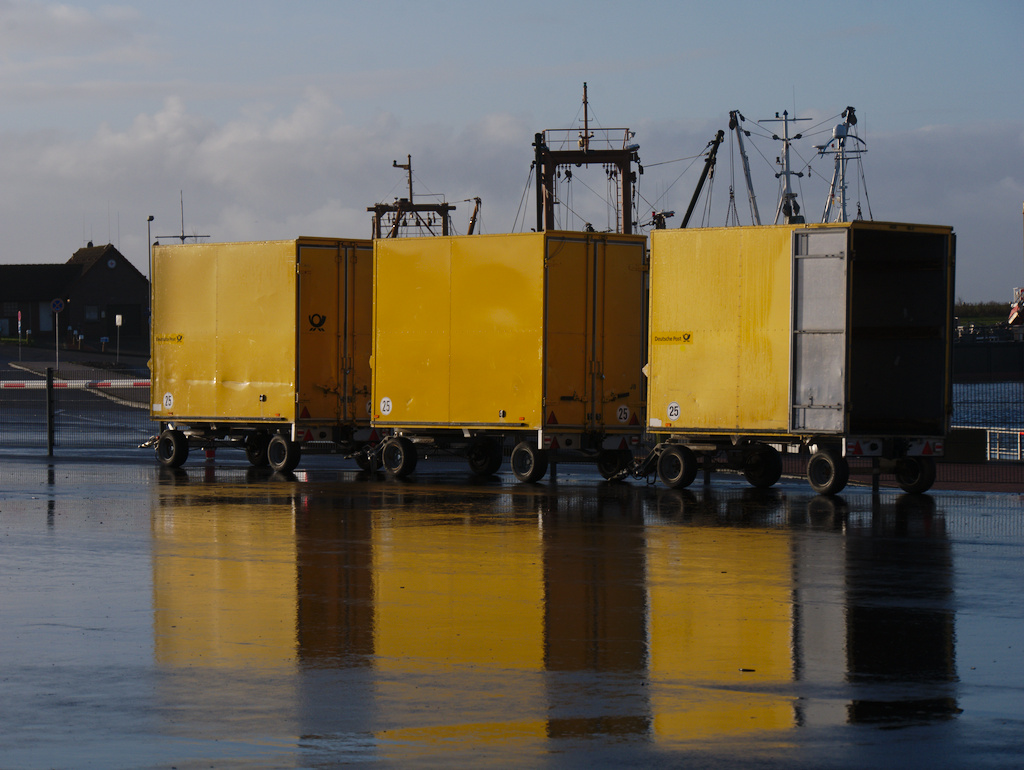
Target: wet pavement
[{"x": 220, "y": 617}]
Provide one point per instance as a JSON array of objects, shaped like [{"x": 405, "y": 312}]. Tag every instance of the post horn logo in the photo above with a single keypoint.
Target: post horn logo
[{"x": 317, "y": 322}]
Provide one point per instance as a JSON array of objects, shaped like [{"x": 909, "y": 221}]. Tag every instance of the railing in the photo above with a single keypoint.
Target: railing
[{"x": 1004, "y": 444}]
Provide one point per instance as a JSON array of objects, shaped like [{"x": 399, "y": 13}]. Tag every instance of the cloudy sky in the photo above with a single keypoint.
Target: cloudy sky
[{"x": 279, "y": 119}]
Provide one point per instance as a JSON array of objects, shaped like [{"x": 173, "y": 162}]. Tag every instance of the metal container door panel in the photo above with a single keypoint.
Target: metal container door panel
[
  {"x": 819, "y": 331},
  {"x": 567, "y": 355},
  {"x": 360, "y": 333},
  {"x": 620, "y": 334},
  {"x": 321, "y": 324}
]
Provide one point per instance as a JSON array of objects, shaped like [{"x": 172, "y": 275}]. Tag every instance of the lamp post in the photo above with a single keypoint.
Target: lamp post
[{"x": 149, "y": 245}]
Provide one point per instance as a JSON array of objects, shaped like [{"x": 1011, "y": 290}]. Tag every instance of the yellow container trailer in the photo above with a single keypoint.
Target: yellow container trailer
[
  {"x": 262, "y": 345},
  {"x": 834, "y": 339},
  {"x": 536, "y": 336}
]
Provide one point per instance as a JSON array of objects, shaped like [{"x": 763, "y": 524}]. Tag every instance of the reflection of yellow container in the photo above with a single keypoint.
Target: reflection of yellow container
[
  {"x": 509, "y": 332},
  {"x": 262, "y": 334},
  {"x": 801, "y": 329},
  {"x": 212, "y": 606},
  {"x": 721, "y": 631}
]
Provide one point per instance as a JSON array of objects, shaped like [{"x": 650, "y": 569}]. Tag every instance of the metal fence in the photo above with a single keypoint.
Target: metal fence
[{"x": 83, "y": 408}]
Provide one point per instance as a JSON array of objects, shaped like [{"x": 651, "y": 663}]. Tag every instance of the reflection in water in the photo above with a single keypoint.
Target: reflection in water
[
  {"x": 900, "y": 617},
  {"x": 393, "y": 615}
]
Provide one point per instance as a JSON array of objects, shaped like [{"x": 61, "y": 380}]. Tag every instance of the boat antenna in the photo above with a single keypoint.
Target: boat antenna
[{"x": 844, "y": 152}]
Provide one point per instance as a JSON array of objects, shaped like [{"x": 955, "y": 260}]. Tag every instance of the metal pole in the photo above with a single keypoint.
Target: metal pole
[{"x": 49, "y": 412}]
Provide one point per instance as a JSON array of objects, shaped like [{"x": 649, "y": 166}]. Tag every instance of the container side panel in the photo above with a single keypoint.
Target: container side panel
[
  {"x": 412, "y": 332},
  {"x": 569, "y": 298},
  {"x": 321, "y": 325},
  {"x": 496, "y": 330},
  {"x": 764, "y": 317},
  {"x": 622, "y": 336},
  {"x": 224, "y": 331},
  {"x": 719, "y": 329},
  {"x": 256, "y": 335},
  {"x": 184, "y": 331}
]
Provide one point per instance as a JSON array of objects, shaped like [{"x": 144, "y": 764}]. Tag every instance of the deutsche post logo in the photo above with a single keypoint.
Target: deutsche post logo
[{"x": 316, "y": 322}]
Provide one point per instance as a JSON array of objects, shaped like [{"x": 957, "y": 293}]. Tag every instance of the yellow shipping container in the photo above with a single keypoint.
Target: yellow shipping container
[
  {"x": 257, "y": 340},
  {"x": 534, "y": 333},
  {"x": 836, "y": 336}
]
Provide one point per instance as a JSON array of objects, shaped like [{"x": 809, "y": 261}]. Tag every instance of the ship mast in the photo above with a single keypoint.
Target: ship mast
[
  {"x": 604, "y": 148},
  {"x": 838, "y": 146},
  {"x": 788, "y": 206}
]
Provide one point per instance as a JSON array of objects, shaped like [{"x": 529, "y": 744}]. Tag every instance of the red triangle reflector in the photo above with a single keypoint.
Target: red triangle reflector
[
  {"x": 633, "y": 420},
  {"x": 304, "y": 414},
  {"x": 554, "y": 444},
  {"x": 927, "y": 448},
  {"x": 552, "y": 420},
  {"x": 623, "y": 444}
]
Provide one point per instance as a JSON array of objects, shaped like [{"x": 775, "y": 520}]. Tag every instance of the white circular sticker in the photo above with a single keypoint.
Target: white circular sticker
[
  {"x": 622, "y": 413},
  {"x": 168, "y": 401},
  {"x": 673, "y": 411},
  {"x": 385, "y": 405}
]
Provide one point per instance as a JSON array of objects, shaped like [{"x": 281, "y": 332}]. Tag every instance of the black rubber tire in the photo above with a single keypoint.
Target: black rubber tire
[
  {"x": 363, "y": 461},
  {"x": 762, "y": 466},
  {"x": 399, "y": 456},
  {"x": 677, "y": 466},
  {"x": 529, "y": 464},
  {"x": 172, "y": 448},
  {"x": 611, "y": 462},
  {"x": 915, "y": 475},
  {"x": 828, "y": 472},
  {"x": 256, "y": 449},
  {"x": 484, "y": 456},
  {"x": 283, "y": 454}
]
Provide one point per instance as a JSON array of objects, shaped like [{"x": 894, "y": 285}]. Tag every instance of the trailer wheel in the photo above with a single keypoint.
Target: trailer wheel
[
  {"x": 172, "y": 448},
  {"x": 677, "y": 466},
  {"x": 484, "y": 456},
  {"x": 363, "y": 461},
  {"x": 529, "y": 464},
  {"x": 611, "y": 462},
  {"x": 828, "y": 472},
  {"x": 256, "y": 449},
  {"x": 915, "y": 475},
  {"x": 399, "y": 456},
  {"x": 283, "y": 454},
  {"x": 762, "y": 466}
]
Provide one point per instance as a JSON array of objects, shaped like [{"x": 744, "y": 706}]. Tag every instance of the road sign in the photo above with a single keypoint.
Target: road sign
[{"x": 57, "y": 305}]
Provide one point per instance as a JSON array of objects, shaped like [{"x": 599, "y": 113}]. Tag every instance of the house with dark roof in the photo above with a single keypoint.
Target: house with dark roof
[{"x": 96, "y": 288}]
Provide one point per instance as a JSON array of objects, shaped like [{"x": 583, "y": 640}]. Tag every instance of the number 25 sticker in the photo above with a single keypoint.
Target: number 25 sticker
[
  {"x": 385, "y": 405},
  {"x": 673, "y": 411},
  {"x": 622, "y": 413}
]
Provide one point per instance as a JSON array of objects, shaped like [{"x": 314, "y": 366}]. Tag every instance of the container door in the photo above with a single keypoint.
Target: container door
[
  {"x": 358, "y": 333},
  {"x": 569, "y": 345},
  {"x": 819, "y": 330},
  {"x": 620, "y": 335},
  {"x": 320, "y": 326}
]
